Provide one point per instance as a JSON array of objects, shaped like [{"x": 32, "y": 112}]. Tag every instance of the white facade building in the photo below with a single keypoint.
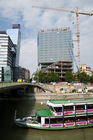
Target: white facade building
[{"x": 7, "y": 52}]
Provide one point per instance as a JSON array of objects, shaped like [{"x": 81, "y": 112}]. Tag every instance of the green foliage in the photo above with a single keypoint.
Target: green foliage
[
  {"x": 74, "y": 90},
  {"x": 52, "y": 77},
  {"x": 91, "y": 79},
  {"x": 79, "y": 77},
  {"x": 39, "y": 77},
  {"x": 69, "y": 77},
  {"x": 83, "y": 77},
  {"x": 46, "y": 78},
  {"x": 91, "y": 91}
]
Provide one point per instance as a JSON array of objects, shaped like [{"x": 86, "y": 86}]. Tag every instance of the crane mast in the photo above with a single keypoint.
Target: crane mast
[
  {"x": 78, "y": 38},
  {"x": 77, "y": 22}
]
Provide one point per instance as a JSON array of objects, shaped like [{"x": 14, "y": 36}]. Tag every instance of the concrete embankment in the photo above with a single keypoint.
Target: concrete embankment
[{"x": 48, "y": 96}]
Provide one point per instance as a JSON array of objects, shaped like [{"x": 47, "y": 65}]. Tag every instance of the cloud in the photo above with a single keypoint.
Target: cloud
[{"x": 32, "y": 20}]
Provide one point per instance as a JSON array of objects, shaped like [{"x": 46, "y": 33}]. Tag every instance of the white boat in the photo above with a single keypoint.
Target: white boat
[{"x": 62, "y": 114}]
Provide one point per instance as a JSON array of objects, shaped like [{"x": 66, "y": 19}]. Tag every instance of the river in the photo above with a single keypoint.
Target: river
[{"x": 26, "y": 107}]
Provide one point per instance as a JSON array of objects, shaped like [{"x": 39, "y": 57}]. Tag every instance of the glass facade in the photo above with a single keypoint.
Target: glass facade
[
  {"x": 54, "y": 45},
  {"x": 7, "y": 74},
  {"x": 15, "y": 36}
]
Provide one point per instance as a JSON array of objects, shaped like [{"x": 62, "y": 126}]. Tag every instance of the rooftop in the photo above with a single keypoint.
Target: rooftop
[
  {"x": 63, "y": 101},
  {"x": 2, "y": 32},
  {"x": 55, "y": 30},
  {"x": 44, "y": 113}
]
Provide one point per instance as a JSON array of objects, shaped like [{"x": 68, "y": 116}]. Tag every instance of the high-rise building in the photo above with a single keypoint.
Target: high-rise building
[
  {"x": 9, "y": 56},
  {"x": 53, "y": 46},
  {"x": 7, "y": 52},
  {"x": 15, "y": 36}
]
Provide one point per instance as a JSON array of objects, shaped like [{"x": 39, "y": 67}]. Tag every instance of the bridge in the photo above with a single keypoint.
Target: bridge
[
  {"x": 37, "y": 91},
  {"x": 15, "y": 88}
]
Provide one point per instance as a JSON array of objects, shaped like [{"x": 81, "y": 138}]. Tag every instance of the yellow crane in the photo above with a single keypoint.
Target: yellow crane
[{"x": 77, "y": 19}]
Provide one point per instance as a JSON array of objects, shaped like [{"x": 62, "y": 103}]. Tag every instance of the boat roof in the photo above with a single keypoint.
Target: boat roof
[
  {"x": 61, "y": 102},
  {"x": 44, "y": 113}
]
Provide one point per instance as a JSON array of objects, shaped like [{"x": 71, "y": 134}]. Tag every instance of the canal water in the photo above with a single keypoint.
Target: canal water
[{"x": 26, "y": 107}]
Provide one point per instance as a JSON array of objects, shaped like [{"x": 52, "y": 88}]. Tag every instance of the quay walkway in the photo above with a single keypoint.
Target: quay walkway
[{"x": 68, "y": 96}]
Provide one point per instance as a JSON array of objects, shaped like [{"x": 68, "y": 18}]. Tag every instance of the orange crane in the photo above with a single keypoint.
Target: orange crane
[{"x": 77, "y": 18}]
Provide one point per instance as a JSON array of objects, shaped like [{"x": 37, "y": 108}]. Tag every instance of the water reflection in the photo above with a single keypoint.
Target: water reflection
[{"x": 26, "y": 107}]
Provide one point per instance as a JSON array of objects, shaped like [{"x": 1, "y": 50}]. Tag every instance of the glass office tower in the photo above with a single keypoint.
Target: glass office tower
[
  {"x": 54, "y": 45},
  {"x": 15, "y": 36}
]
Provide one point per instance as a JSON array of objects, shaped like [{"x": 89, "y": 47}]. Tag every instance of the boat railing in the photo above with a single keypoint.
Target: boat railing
[
  {"x": 69, "y": 124},
  {"x": 72, "y": 112}
]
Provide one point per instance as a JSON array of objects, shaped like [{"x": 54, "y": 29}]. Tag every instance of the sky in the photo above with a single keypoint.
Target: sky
[{"x": 32, "y": 20}]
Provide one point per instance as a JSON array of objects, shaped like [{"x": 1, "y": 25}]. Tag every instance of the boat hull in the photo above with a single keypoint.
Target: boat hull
[{"x": 36, "y": 126}]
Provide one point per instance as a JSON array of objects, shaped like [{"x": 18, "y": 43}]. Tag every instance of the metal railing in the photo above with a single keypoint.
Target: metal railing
[{"x": 11, "y": 84}]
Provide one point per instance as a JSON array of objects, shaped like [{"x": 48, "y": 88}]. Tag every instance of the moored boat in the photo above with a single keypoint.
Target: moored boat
[{"x": 62, "y": 114}]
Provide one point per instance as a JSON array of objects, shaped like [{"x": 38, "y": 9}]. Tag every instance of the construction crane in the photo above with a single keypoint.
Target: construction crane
[
  {"x": 72, "y": 54},
  {"x": 77, "y": 21}
]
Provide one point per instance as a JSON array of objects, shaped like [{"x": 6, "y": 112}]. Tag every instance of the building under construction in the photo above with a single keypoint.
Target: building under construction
[
  {"x": 77, "y": 12},
  {"x": 55, "y": 51},
  {"x": 60, "y": 68}
]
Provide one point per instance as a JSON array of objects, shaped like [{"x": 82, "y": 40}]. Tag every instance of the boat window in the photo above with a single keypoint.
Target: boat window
[
  {"x": 89, "y": 106},
  {"x": 39, "y": 119},
  {"x": 90, "y": 117},
  {"x": 80, "y": 118},
  {"x": 46, "y": 121},
  {"x": 58, "y": 109},
  {"x": 68, "y": 108},
  {"x": 51, "y": 108},
  {"x": 56, "y": 120},
  {"x": 69, "y": 120},
  {"x": 53, "y": 120},
  {"x": 80, "y": 107}
]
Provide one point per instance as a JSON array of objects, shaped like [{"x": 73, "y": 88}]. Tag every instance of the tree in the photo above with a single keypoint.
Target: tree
[
  {"x": 91, "y": 79},
  {"x": 83, "y": 77},
  {"x": 69, "y": 77},
  {"x": 39, "y": 77},
  {"x": 46, "y": 78},
  {"x": 52, "y": 77}
]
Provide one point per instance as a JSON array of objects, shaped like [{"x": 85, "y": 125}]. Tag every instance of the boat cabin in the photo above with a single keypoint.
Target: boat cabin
[
  {"x": 46, "y": 119},
  {"x": 68, "y": 107}
]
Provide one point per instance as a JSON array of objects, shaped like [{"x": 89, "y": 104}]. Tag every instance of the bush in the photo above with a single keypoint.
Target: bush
[{"x": 74, "y": 90}]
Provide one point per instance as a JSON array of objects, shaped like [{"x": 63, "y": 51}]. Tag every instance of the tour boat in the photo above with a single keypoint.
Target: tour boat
[{"x": 61, "y": 114}]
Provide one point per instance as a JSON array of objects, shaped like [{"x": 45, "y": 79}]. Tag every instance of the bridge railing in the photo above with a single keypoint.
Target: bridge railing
[{"x": 10, "y": 84}]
